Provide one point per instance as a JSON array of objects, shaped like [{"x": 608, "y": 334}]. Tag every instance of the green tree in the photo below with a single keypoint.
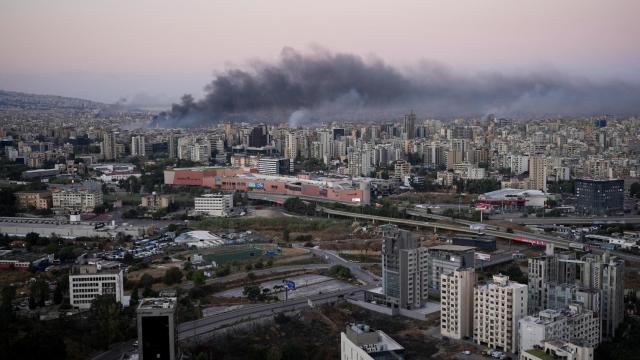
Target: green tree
[
  {"x": 32, "y": 239},
  {"x": 198, "y": 278},
  {"x": 40, "y": 291},
  {"x": 58, "y": 295},
  {"x": 6, "y": 307},
  {"x": 252, "y": 292},
  {"x": 340, "y": 271},
  {"x": 109, "y": 322},
  {"x": 8, "y": 205},
  {"x": 172, "y": 276},
  {"x": 146, "y": 281}
]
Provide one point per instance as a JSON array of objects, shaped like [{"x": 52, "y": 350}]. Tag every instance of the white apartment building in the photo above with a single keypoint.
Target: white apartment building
[
  {"x": 475, "y": 173},
  {"x": 76, "y": 199},
  {"x": 214, "y": 204},
  {"x": 519, "y": 164},
  {"x": 86, "y": 282},
  {"x": 201, "y": 152},
  {"x": 360, "y": 342},
  {"x": 537, "y": 173},
  {"x": 456, "y": 303},
  {"x": 137, "y": 145},
  {"x": 498, "y": 306},
  {"x": 274, "y": 166}
]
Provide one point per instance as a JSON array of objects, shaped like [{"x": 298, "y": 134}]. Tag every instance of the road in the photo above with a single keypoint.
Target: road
[
  {"x": 116, "y": 351},
  {"x": 202, "y": 328},
  {"x": 274, "y": 270},
  {"x": 335, "y": 259},
  {"x": 516, "y": 236},
  {"x": 573, "y": 220}
]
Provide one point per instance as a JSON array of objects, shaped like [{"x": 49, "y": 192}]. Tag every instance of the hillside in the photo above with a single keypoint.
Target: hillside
[{"x": 18, "y": 100}]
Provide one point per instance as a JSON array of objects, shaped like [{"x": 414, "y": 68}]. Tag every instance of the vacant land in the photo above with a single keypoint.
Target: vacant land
[{"x": 315, "y": 334}]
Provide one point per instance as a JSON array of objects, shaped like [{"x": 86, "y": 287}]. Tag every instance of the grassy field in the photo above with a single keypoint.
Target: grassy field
[{"x": 239, "y": 254}]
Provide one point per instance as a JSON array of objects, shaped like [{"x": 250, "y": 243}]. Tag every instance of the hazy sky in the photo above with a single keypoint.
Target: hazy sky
[{"x": 105, "y": 50}]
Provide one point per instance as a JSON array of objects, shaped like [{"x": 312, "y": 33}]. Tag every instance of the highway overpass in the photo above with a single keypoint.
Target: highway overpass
[
  {"x": 536, "y": 239},
  {"x": 572, "y": 220},
  {"x": 280, "y": 198}
]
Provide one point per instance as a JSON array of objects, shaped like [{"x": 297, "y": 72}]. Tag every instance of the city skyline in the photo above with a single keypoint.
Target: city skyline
[{"x": 154, "y": 54}]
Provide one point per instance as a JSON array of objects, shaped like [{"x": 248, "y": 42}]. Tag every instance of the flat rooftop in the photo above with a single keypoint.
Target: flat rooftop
[
  {"x": 457, "y": 248},
  {"x": 157, "y": 303}
]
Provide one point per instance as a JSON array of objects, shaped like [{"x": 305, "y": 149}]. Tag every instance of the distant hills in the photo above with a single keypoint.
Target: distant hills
[{"x": 18, "y": 100}]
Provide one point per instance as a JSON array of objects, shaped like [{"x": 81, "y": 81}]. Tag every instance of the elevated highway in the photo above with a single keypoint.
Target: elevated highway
[{"x": 534, "y": 239}]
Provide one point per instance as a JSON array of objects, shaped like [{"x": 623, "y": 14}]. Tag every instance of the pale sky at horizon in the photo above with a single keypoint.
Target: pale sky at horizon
[{"x": 104, "y": 50}]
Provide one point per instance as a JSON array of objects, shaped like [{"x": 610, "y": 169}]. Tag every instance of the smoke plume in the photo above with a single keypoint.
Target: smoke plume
[{"x": 322, "y": 86}]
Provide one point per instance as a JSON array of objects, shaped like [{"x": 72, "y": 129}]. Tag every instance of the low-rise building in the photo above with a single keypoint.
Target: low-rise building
[
  {"x": 86, "y": 282},
  {"x": 360, "y": 342},
  {"x": 83, "y": 200},
  {"x": 34, "y": 199},
  {"x": 547, "y": 325},
  {"x": 214, "y": 204},
  {"x": 274, "y": 166},
  {"x": 155, "y": 202},
  {"x": 559, "y": 350}
]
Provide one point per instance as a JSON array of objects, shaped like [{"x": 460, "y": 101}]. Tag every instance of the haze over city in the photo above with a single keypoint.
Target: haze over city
[
  {"x": 153, "y": 52},
  {"x": 320, "y": 180}
]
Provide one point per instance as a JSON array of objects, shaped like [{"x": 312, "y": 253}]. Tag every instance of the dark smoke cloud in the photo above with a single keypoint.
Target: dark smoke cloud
[{"x": 321, "y": 86}]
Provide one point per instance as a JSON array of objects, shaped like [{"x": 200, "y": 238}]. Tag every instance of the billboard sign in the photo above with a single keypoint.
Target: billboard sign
[
  {"x": 290, "y": 284},
  {"x": 483, "y": 256}
]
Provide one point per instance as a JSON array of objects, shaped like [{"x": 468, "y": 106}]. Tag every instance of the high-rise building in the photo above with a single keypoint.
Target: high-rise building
[
  {"x": 599, "y": 196},
  {"x": 409, "y": 126},
  {"x": 173, "y": 146},
  {"x": 498, "y": 306},
  {"x": 537, "y": 173},
  {"x": 360, "y": 342},
  {"x": 259, "y": 136},
  {"x": 446, "y": 259},
  {"x": 545, "y": 270},
  {"x": 108, "y": 146},
  {"x": 456, "y": 303},
  {"x": 291, "y": 146},
  {"x": 201, "y": 152},
  {"x": 606, "y": 273},
  {"x": 157, "y": 330},
  {"x": 401, "y": 169},
  {"x": 404, "y": 269},
  {"x": 138, "y": 146}
]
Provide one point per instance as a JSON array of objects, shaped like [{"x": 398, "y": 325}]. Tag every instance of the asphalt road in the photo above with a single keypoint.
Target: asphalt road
[
  {"x": 465, "y": 229},
  {"x": 269, "y": 271},
  {"x": 202, "y": 328},
  {"x": 117, "y": 351}
]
